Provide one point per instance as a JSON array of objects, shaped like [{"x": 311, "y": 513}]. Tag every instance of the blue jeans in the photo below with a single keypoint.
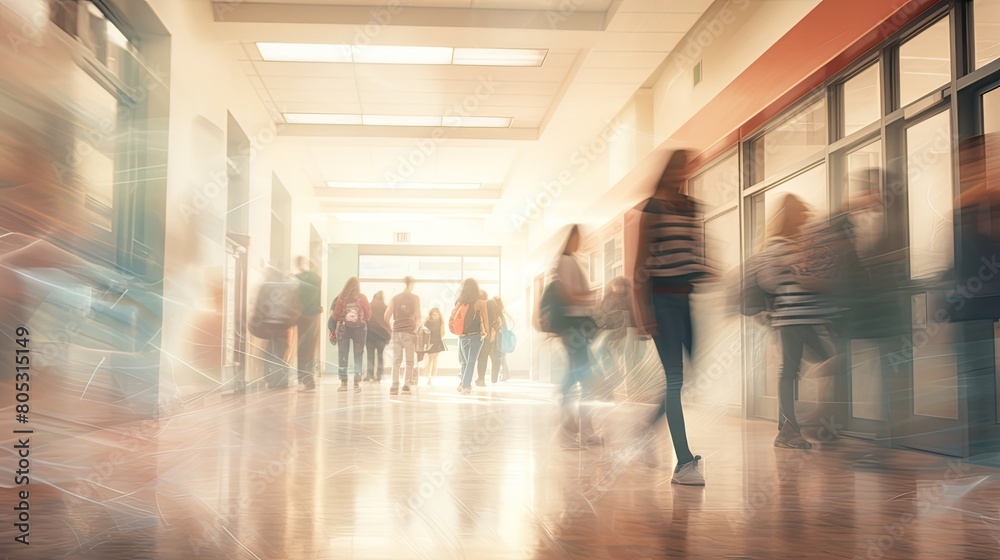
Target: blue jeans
[
  {"x": 576, "y": 338},
  {"x": 673, "y": 323},
  {"x": 469, "y": 346}
]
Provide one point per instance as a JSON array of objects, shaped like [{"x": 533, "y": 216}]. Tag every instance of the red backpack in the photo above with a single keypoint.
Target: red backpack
[{"x": 457, "y": 322}]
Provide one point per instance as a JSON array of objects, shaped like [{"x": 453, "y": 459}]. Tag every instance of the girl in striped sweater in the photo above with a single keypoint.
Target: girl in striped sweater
[
  {"x": 797, "y": 268},
  {"x": 670, "y": 261}
]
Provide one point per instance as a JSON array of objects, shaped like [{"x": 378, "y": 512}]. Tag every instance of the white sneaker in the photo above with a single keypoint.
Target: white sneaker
[{"x": 691, "y": 474}]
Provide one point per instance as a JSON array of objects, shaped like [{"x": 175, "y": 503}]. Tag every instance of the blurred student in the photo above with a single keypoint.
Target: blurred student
[
  {"x": 402, "y": 315},
  {"x": 614, "y": 318},
  {"x": 670, "y": 260},
  {"x": 504, "y": 346},
  {"x": 307, "y": 328},
  {"x": 352, "y": 312},
  {"x": 491, "y": 345},
  {"x": 792, "y": 271},
  {"x": 469, "y": 319},
  {"x": 576, "y": 330},
  {"x": 435, "y": 325},
  {"x": 378, "y": 337}
]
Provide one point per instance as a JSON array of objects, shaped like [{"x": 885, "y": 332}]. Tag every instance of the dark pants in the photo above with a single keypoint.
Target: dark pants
[
  {"x": 490, "y": 351},
  {"x": 375, "y": 347},
  {"x": 308, "y": 328},
  {"x": 673, "y": 322},
  {"x": 277, "y": 369},
  {"x": 347, "y": 337},
  {"x": 794, "y": 339}
]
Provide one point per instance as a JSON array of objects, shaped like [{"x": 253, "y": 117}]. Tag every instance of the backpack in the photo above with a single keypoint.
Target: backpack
[
  {"x": 277, "y": 309},
  {"x": 352, "y": 314},
  {"x": 423, "y": 339},
  {"x": 551, "y": 312},
  {"x": 456, "y": 324},
  {"x": 507, "y": 340},
  {"x": 752, "y": 299}
]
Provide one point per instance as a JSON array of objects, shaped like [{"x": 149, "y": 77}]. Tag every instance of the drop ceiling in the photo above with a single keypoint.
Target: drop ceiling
[{"x": 598, "y": 54}]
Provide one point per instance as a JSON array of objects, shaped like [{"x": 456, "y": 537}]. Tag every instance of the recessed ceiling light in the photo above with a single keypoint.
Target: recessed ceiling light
[
  {"x": 321, "y": 118},
  {"x": 429, "y": 186},
  {"x": 450, "y": 121},
  {"x": 400, "y": 120},
  {"x": 402, "y": 55},
  {"x": 394, "y": 217},
  {"x": 303, "y": 52},
  {"x": 388, "y": 54},
  {"x": 477, "y": 122},
  {"x": 499, "y": 57}
]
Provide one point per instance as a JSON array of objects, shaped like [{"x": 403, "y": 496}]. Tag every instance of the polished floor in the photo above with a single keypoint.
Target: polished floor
[{"x": 438, "y": 475}]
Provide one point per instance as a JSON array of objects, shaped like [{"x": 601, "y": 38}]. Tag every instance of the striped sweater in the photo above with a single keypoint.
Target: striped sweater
[
  {"x": 675, "y": 254},
  {"x": 780, "y": 265}
]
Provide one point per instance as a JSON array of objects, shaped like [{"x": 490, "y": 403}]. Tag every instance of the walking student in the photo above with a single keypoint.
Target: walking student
[
  {"x": 577, "y": 300},
  {"x": 469, "y": 320},
  {"x": 378, "y": 337},
  {"x": 434, "y": 324},
  {"x": 402, "y": 315},
  {"x": 352, "y": 312},
  {"x": 669, "y": 262},
  {"x": 307, "y": 327}
]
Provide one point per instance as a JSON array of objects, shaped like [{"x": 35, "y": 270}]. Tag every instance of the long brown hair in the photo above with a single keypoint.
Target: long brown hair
[
  {"x": 470, "y": 292},
  {"x": 351, "y": 291}
]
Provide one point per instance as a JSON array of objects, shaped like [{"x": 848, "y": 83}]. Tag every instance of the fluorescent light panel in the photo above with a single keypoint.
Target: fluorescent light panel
[
  {"x": 499, "y": 57},
  {"x": 427, "y": 186},
  {"x": 402, "y": 55},
  {"x": 321, "y": 118},
  {"x": 301, "y": 52},
  {"x": 385, "y": 54},
  {"x": 398, "y": 120}
]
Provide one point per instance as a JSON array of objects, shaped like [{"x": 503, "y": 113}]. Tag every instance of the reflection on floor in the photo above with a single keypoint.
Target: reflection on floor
[{"x": 438, "y": 475}]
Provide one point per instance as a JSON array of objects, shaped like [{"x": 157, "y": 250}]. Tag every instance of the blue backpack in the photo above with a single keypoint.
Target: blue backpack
[{"x": 507, "y": 340}]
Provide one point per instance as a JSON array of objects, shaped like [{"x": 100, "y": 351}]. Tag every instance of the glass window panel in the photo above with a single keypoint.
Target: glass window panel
[
  {"x": 717, "y": 185},
  {"x": 991, "y": 127},
  {"x": 866, "y": 380},
  {"x": 935, "y": 372},
  {"x": 862, "y": 99},
  {"x": 483, "y": 269},
  {"x": 929, "y": 184},
  {"x": 794, "y": 140},
  {"x": 925, "y": 63},
  {"x": 810, "y": 186},
  {"x": 395, "y": 267},
  {"x": 864, "y": 177},
  {"x": 986, "y": 28}
]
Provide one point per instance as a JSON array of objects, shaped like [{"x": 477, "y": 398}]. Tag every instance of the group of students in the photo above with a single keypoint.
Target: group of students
[{"x": 368, "y": 327}]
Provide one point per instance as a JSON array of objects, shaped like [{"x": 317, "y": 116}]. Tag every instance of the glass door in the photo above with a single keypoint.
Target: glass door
[{"x": 929, "y": 413}]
